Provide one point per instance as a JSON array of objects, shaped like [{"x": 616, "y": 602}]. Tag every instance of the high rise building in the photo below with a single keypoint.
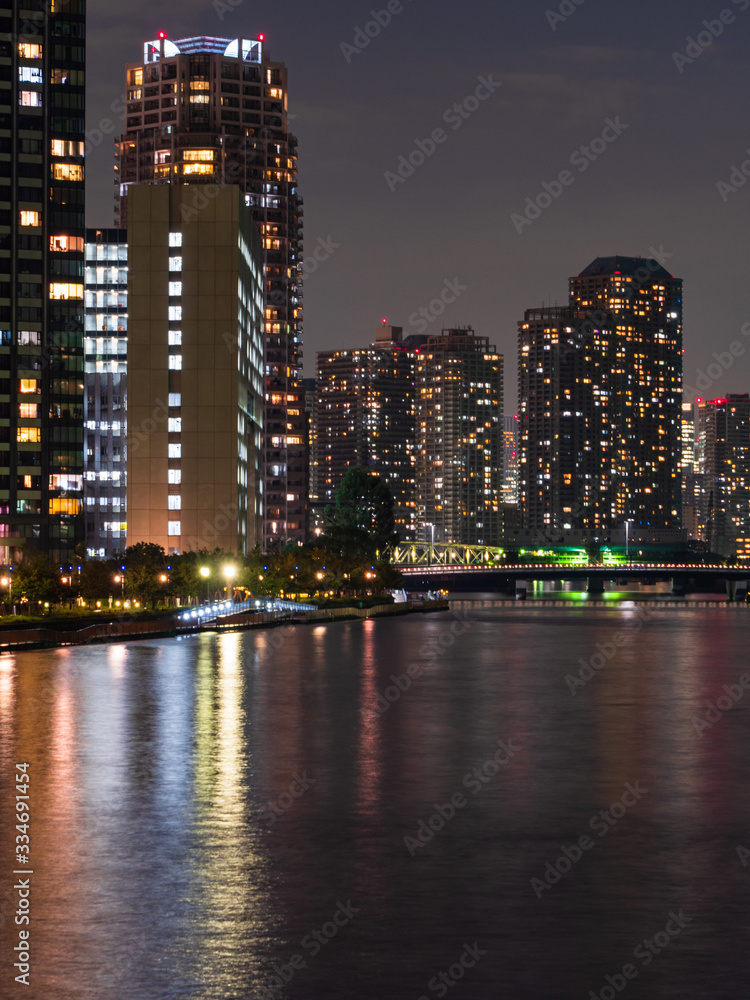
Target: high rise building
[
  {"x": 724, "y": 429},
  {"x": 459, "y": 415},
  {"x": 566, "y": 462},
  {"x": 644, "y": 302},
  {"x": 692, "y": 480},
  {"x": 42, "y": 128},
  {"x": 105, "y": 398},
  {"x": 510, "y": 460},
  {"x": 195, "y": 371},
  {"x": 687, "y": 463},
  {"x": 206, "y": 112},
  {"x": 600, "y": 386},
  {"x": 364, "y": 418}
]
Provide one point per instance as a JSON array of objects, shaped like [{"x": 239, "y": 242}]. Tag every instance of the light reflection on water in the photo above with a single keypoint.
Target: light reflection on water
[{"x": 159, "y": 871}]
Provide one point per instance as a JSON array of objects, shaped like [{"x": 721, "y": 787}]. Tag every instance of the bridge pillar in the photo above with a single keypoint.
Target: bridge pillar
[
  {"x": 731, "y": 590},
  {"x": 595, "y": 585},
  {"x": 521, "y": 590}
]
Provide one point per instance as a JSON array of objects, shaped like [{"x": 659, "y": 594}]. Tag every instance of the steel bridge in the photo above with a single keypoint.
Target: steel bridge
[
  {"x": 460, "y": 566},
  {"x": 426, "y": 554}
]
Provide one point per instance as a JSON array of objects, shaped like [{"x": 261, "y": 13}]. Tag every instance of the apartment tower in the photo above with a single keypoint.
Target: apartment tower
[
  {"x": 459, "y": 416},
  {"x": 365, "y": 418},
  {"x": 207, "y": 112},
  {"x": 724, "y": 429},
  {"x": 600, "y": 387}
]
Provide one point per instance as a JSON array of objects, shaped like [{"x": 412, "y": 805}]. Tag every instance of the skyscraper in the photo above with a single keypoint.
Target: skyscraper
[
  {"x": 195, "y": 379},
  {"x": 209, "y": 112},
  {"x": 600, "y": 395},
  {"x": 510, "y": 460},
  {"x": 42, "y": 127},
  {"x": 459, "y": 418},
  {"x": 724, "y": 429},
  {"x": 364, "y": 418},
  {"x": 692, "y": 480},
  {"x": 105, "y": 401},
  {"x": 566, "y": 463},
  {"x": 644, "y": 302}
]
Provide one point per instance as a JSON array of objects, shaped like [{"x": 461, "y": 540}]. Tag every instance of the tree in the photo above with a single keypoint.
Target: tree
[
  {"x": 36, "y": 578},
  {"x": 98, "y": 580},
  {"x": 145, "y": 554},
  {"x": 364, "y": 507}
]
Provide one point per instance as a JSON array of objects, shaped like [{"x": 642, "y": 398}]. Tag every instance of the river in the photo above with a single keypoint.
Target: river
[{"x": 498, "y": 801}]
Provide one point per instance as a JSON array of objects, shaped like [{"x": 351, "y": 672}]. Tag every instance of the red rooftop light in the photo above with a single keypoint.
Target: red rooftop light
[
  {"x": 261, "y": 38},
  {"x": 163, "y": 34}
]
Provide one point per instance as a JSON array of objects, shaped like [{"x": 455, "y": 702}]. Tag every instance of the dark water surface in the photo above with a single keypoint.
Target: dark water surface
[{"x": 161, "y": 870}]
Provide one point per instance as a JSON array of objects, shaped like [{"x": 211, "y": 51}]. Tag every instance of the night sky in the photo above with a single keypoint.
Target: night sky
[{"x": 653, "y": 185}]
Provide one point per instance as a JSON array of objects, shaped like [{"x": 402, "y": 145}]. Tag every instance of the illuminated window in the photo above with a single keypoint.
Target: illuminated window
[
  {"x": 67, "y": 171},
  {"x": 29, "y": 50},
  {"x": 65, "y": 506},
  {"x": 199, "y": 98},
  {"x": 66, "y": 244},
  {"x": 162, "y": 171},
  {"x": 276, "y": 92},
  {"x": 198, "y": 156},
  {"x": 175, "y": 503},
  {"x": 174, "y": 425},
  {"x": 175, "y": 263},
  {"x": 30, "y": 98},
  {"x": 28, "y": 385},
  {"x": 175, "y": 338},
  {"x": 175, "y": 239},
  {"x": 199, "y": 85},
  {"x": 30, "y": 74},
  {"x": 175, "y": 314},
  {"x": 30, "y": 218},
  {"x": 66, "y": 147},
  {"x": 174, "y": 528},
  {"x": 135, "y": 77},
  {"x": 175, "y": 288},
  {"x": 28, "y": 411},
  {"x": 65, "y": 290},
  {"x": 175, "y": 362},
  {"x": 175, "y": 450},
  {"x": 29, "y": 337},
  {"x": 175, "y": 399},
  {"x": 174, "y": 477},
  {"x": 198, "y": 168},
  {"x": 25, "y": 435}
]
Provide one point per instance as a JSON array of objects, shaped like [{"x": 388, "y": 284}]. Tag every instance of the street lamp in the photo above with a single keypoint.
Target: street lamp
[
  {"x": 230, "y": 573},
  {"x": 120, "y": 578},
  {"x": 205, "y": 573},
  {"x": 7, "y": 581}
]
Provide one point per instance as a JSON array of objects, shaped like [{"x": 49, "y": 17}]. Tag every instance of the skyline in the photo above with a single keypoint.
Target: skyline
[{"x": 356, "y": 113}]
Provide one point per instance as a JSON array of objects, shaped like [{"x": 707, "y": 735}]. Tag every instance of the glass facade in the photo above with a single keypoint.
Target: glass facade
[
  {"x": 42, "y": 130},
  {"x": 105, "y": 401}
]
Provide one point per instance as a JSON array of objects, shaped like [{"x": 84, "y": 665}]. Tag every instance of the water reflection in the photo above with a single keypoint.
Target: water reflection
[{"x": 161, "y": 871}]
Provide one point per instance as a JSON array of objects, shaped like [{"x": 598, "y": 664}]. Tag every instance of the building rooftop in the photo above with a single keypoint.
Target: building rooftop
[{"x": 624, "y": 265}]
